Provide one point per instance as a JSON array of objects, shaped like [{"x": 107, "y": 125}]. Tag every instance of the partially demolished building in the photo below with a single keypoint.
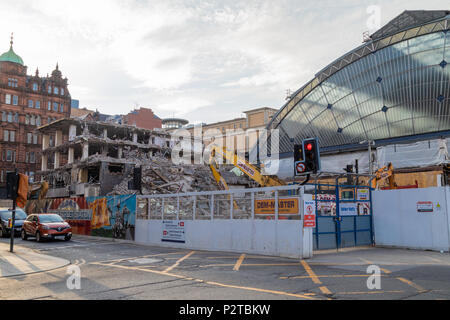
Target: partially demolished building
[
  {"x": 84, "y": 157},
  {"x": 88, "y": 158}
]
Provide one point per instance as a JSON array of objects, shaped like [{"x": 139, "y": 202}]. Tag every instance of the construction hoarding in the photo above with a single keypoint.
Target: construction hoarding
[{"x": 111, "y": 216}]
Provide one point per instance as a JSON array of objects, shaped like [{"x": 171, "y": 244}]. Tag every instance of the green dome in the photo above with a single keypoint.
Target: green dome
[{"x": 11, "y": 56}]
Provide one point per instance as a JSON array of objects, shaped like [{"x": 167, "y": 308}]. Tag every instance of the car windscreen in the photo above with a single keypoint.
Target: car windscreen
[
  {"x": 20, "y": 215},
  {"x": 50, "y": 218}
]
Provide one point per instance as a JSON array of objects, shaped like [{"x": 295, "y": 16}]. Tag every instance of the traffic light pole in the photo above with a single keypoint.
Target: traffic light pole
[
  {"x": 13, "y": 218},
  {"x": 13, "y": 225}
]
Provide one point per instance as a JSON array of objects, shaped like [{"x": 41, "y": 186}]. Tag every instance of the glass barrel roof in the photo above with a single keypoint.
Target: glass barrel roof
[{"x": 400, "y": 88}]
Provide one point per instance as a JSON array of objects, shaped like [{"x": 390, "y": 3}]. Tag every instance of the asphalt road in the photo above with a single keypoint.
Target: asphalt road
[{"x": 117, "y": 270}]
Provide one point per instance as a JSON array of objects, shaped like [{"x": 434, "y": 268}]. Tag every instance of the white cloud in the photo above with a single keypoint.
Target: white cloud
[{"x": 182, "y": 57}]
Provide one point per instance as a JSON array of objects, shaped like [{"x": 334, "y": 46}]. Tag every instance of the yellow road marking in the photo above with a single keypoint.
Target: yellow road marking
[
  {"x": 210, "y": 282},
  {"x": 310, "y": 272},
  {"x": 325, "y": 290},
  {"x": 179, "y": 261},
  {"x": 249, "y": 264},
  {"x": 385, "y": 264},
  {"x": 412, "y": 284},
  {"x": 369, "y": 292},
  {"x": 239, "y": 262},
  {"x": 314, "y": 277},
  {"x": 372, "y": 263},
  {"x": 331, "y": 276}
]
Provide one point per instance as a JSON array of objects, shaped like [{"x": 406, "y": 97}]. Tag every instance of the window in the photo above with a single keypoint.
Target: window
[
  {"x": 49, "y": 120},
  {"x": 38, "y": 121},
  {"x": 35, "y": 139},
  {"x": 4, "y": 116},
  {"x": 30, "y": 103},
  {"x": 32, "y": 157},
  {"x": 10, "y": 117},
  {"x": 49, "y": 106},
  {"x": 55, "y": 106},
  {"x": 12, "y": 136},
  {"x": 49, "y": 89},
  {"x": 61, "y": 107},
  {"x": 38, "y": 105},
  {"x": 8, "y": 99},
  {"x": 50, "y": 141},
  {"x": 62, "y": 91},
  {"x": 29, "y": 138},
  {"x": 35, "y": 87},
  {"x": 16, "y": 117},
  {"x": 15, "y": 100},
  {"x": 56, "y": 90},
  {"x": 32, "y": 120},
  {"x": 5, "y": 135},
  {"x": 27, "y": 119},
  {"x": 9, "y": 155}
]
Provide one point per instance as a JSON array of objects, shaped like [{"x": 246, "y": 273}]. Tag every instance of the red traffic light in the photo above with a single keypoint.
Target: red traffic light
[{"x": 309, "y": 146}]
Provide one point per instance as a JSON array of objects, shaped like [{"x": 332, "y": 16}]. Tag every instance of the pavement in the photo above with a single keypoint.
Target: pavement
[
  {"x": 114, "y": 270},
  {"x": 25, "y": 261}
]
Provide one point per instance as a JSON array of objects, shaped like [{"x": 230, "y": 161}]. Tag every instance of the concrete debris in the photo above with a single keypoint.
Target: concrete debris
[{"x": 161, "y": 176}]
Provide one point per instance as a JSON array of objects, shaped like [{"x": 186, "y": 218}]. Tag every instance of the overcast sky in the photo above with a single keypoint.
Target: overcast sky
[{"x": 205, "y": 61}]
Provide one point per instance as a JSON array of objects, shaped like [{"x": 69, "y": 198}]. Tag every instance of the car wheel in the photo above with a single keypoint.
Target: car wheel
[
  {"x": 38, "y": 237},
  {"x": 68, "y": 237},
  {"x": 24, "y": 235}
]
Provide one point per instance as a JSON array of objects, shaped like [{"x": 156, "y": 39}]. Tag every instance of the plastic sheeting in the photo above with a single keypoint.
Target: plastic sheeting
[
  {"x": 414, "y": 155},
  {"x": 284, "y": 168}
]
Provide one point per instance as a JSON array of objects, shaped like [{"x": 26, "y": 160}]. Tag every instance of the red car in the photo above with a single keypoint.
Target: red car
[{"x": 46, "y": 226}]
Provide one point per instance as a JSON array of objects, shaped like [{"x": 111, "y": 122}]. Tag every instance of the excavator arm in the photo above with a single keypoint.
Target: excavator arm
[{"x": 246, "y": 167}]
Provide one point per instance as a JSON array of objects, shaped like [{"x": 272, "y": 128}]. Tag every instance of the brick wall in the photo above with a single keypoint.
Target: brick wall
[{"x": 143, "y": 118}]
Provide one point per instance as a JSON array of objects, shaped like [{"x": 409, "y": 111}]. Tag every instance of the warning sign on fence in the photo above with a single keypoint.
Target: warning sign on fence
[
  {"x": 173, "y": 231},
  {"x": 425, "y": 206},
  {"x": 309, "y": 214}
]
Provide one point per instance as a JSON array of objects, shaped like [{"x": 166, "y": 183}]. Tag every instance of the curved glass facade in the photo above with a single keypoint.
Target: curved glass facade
[{"x": 399, "y": 89}]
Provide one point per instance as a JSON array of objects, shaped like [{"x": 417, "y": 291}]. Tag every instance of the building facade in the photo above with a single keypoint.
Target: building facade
[
  {"x": 143, "y": 118},
  {"x": 26, "y": 102},
  {"x": 243, "y": 132}
]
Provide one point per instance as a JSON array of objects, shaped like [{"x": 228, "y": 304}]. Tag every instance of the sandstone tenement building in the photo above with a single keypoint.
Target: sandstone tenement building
[{"x": 27, "y": 102}]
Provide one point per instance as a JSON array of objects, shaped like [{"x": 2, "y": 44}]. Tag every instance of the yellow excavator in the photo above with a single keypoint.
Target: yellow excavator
[
  {"x": 384, "y": 173},
  {"x": 246, "y": 167}
]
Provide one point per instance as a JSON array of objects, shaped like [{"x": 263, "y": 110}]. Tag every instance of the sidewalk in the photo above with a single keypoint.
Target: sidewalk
[{"x": 25, "y": 261}]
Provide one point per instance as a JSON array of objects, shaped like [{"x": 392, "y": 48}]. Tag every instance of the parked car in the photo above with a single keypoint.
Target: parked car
[
  {"x": 5, "y": 215},
  {"x": 46, "y": 226}
]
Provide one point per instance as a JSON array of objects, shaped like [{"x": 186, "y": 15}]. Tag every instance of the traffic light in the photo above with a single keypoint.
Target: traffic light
[
  {"x": 312, "y": 155},
  {"x": 307, "y": 157},
  {"x": 298, "y": 153},
  {"x": 299, "y": 160}
]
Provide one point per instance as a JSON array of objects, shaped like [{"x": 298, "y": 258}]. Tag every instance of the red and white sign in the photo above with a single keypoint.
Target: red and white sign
[
  {"x": 425, "y": 206},
  {"x": 309, "y": 214},
  {"x": 300, "y": 167}
]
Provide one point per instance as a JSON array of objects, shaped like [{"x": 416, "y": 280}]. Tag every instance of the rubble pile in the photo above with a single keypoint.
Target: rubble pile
[{"x": 161, "y": 176}]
